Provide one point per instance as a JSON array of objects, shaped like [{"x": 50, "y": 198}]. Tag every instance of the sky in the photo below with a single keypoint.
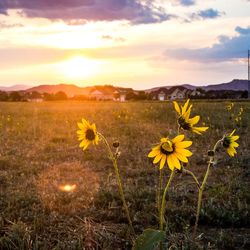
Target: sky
[{"x": 130, "y": 43}]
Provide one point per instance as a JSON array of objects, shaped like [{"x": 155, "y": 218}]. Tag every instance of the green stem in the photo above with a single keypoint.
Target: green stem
[
  {"x": 163, "y": 202},
  {"x": 159, "y": 193},
  {"x": 185, "y": 171},
  {"x": 201, "y": 189},
  {"x": 119, "y": 182},
  {"x": 200, "y": 197}
]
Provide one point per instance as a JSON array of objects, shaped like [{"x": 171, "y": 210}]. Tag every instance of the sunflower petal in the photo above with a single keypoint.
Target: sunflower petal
[
  {"x": 181, "y": 157},
  {"x": 183, "y": 144},
  {"x": 235, "y": 138},
  {"x": 81, "y": 126},
  {"x": 86, "y": 145},
  {"x": 232, "y": 132},
  {"x": 163, "y": 161},
  {"x": 153, "y": 153},
  {"x": 187, "y": 113},
  {"x": 184, "y": 152},
  {"x": 234, "y": 144},
  {"x": 177, "y": 107},
  {"x": 198, "y": 130},
  {"x": 178, "y": 138},
  {"x": 184, "y": 108},
  {"x": 157, "y": 158},
  {"x": 194, "y": 120},
  {"x": 170, "y": 163},
  {"x": 83, "y": 143},
  {"x": 176, "y": 161},
  {"x": 85, "y": 122}
]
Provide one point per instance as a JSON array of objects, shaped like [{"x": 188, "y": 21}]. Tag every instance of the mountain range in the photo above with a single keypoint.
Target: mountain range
[{"x": 72, "y": 90}]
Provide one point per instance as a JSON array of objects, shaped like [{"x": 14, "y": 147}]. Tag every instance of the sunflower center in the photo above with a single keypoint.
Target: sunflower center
[
  {"x": 183, "y": 124},
  {"x": 90, "y": 135},
  {"x": 226, "y": 142},
  {"x": 167, "y": 148}
]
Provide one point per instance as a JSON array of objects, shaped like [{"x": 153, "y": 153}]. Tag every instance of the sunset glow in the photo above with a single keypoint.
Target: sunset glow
[
  {"x": 125, "y": 43},
  {"x": 79, "y": 68}
]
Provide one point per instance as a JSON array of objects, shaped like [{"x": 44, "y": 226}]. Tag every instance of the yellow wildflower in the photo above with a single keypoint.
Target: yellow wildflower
[
  {"x": 184, "y": 120},
  {"x": 173, "y": 151},
  {"x": 229, "y": 142},
  {"x": 87, "y": 134}
]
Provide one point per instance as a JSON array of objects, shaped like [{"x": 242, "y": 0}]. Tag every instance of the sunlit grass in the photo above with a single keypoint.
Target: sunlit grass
[{"x": 37, "y": 139}]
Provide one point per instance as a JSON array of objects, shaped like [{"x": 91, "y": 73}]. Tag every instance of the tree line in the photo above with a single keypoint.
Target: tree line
[{"x": 19, "y": 96}]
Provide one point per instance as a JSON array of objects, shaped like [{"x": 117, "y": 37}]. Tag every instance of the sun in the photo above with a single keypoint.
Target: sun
[{"x": 79, "y": 67}]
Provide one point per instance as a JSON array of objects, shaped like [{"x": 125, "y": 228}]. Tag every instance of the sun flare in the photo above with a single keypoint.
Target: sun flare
[{"x": 79, "y": 67}]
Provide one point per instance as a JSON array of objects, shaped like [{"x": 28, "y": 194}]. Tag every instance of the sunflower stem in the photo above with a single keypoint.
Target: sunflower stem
[
  {"x": 119, "y": 182},
  {"x": 185, "y": 171},
  {"x": 159, "y": 192},
  {"x": 202, "y": 187},
  {"x": 163, "y": 202}
]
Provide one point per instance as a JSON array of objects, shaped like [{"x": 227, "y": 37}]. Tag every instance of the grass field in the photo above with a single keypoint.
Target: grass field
[{"x": 39, "y": 153}]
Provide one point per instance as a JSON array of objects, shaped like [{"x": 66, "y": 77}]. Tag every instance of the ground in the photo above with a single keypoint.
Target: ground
[{"x": 40, "y": 154}]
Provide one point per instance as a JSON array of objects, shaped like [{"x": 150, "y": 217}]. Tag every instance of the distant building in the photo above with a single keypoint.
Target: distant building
[
  {"x": 101, "y": 95},
  {"x": 161, "y": 96},
  {"x": 177, "y": 94},
  {"x": 35, "y": 99},
  {"x": 122, "y": 98}
]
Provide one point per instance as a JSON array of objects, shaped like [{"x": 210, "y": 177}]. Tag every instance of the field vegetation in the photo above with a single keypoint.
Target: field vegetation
[{"x": 53, "y": 195}]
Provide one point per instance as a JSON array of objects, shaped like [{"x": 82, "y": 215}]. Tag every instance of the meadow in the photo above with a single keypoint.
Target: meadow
[{"x": 40, "y": 156}]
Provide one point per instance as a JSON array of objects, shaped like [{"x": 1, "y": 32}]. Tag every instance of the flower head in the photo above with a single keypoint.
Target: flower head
[
  {"x": 87, "y": 134},
  {"x": 173, "y": 151},
  {"x": 229, "y": 142},
  {"x": 184, "y": 120},
  {"x": 230, "y": 106}
]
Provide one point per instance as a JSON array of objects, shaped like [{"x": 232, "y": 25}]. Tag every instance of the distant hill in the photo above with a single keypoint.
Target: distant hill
[
  {"x": 187, "y": 86},
  {"x": 73, "y": 90},
  {"x": 69, "y": 89},
  {"x": 14, "y": 88},
  {"x": 235, "y": 84}
]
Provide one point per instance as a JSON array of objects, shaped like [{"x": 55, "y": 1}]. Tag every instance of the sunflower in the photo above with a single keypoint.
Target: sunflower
[
  {"x": 87, "y": 134},
  {"x": 230, "y": 144},
  {"x": 173, "y": 151},
  {"x": 184, "y": 121}
]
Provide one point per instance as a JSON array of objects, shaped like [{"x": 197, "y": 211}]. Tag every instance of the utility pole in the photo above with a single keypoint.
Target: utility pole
[{"x": 248, "y": 74}]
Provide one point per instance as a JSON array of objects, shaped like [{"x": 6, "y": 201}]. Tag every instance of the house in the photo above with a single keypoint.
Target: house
[
  {"x": 161, "y": 96},
  {"x": 177, "y": 93},
  {"x": 101, "y": 95},
  {"x": 193, "y": 93},
  {"x": 35, "y": 99},
  {"x": 122, "y": 98}
]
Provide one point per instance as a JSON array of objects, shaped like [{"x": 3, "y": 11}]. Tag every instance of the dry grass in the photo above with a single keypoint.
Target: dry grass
[{"x": 39, "y": 153}]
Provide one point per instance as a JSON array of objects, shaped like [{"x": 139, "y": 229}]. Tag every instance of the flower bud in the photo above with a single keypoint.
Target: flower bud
[
  {"x": 210, "y": 153},
  {"x": 116, "y": 144}
]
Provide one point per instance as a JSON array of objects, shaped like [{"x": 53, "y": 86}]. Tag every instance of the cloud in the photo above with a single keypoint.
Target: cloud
[
  {"x": 3, "y": 9},
  {"x": 116, "y": 39},
  {"x": 227, "y": 49},
  {"x": 243, "y": 31},
  {"x": 4, "y": 25},
  {"x": 135, "y": 11},
  {"x": 184, "y": 2},
  {"x": 205, "y": 14}
]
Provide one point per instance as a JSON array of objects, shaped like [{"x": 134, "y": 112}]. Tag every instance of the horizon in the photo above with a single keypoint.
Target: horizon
[
  {"x": 111, "y": 42},
  {"x": 114, "y": 85}
]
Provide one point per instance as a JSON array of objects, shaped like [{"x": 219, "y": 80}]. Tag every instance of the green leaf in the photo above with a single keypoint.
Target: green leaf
[{"x": 149, "y": 239}]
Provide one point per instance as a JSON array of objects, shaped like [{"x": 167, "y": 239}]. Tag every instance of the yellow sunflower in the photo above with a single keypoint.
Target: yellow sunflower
[
  {"x": 173, "y": 151},
  {"x": 185, "y": 122},
  {"x": 87, "y": 134},
  {"x": 229, "y": 142}
]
